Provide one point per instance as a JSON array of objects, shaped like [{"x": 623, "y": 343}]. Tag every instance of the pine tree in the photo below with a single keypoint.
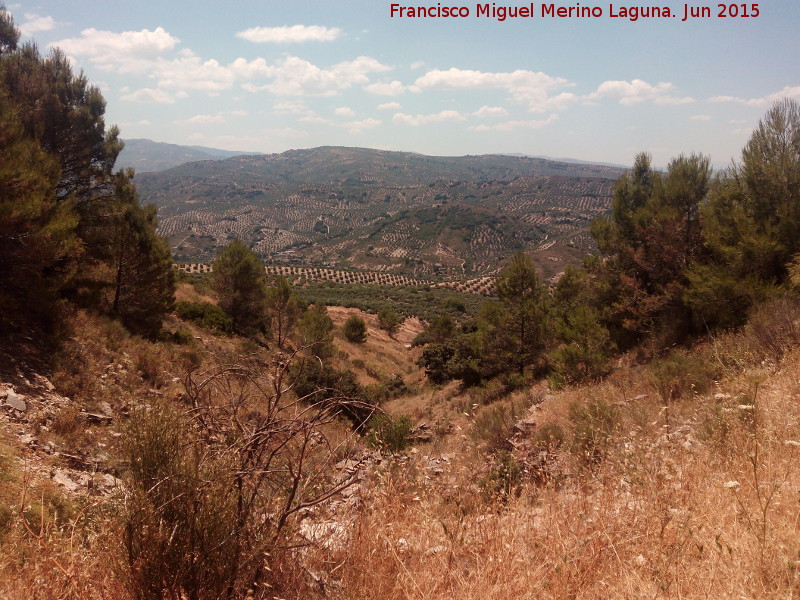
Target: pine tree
[
  {"x": 355, "y": 330},
  {"x": 650, "y": 238},
  {"x": 283, "y": 307},
  {"x": 514, "y": 330},
  {"x": 751, "y": 223},
  {"x": 38, "y": 245},
  {"x": 65, "y": 115},
  {"x": 316, "y": 331},
  {"x": 241, "y": 286},
  {"x": 143, "y": 286}
]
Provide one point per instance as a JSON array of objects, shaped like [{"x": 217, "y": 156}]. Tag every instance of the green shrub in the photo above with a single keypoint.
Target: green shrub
[
  {"x": 680, "y": 373},
  {"x": 573, "y": 363},
  {"x": 355, "y": 330},
  {"x": 389, "y": 432},
  {"x": 206, "y": 315},
  {"x": 455, "y": 303},
  {"x": 182, "y": 337},
  {"x": 383, "y": 392},
  {"x": 504, "y": 477},
  {"x": 494, "y": 426},
  {"x": 593, "y": 424},
  {"x": 421, "y": 339},
  {"x": 319, "y": 383},
  {"x": 389, "y": 321}
]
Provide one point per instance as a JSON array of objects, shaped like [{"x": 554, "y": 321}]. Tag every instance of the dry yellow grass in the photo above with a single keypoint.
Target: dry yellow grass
[
  {"x": 706, "y": 507},
  {"x": 699, "y": 499}
]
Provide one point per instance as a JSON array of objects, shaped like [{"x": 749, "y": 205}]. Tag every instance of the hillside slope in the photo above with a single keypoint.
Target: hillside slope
[
  {"x": 146, "y": 155},
  {"x": 371, "y": 209}
]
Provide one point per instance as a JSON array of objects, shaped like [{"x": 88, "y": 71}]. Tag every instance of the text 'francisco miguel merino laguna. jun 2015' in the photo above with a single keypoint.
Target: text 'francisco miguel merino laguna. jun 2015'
[{"x": 492, "y": 10}]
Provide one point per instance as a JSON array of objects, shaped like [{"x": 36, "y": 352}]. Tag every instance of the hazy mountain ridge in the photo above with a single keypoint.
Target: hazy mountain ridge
[
  {"x": 146, "y": 155},
  {"x": 381, "y": 210}
]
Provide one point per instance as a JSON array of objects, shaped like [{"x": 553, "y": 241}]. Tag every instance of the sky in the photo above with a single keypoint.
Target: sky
[{"x": 274, "y": 75}]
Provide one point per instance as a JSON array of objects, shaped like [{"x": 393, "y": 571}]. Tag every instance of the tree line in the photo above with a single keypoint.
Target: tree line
[
  {"x": 683, "y": 252},
  {"x": 71, "y": 228}
]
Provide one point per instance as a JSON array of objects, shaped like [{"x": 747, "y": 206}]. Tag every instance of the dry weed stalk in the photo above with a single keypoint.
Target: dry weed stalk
[{"x": 215, "y": 488}]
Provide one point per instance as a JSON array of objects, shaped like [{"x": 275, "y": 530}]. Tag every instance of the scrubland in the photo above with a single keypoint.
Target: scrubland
[{"x": 651, "y": 483}]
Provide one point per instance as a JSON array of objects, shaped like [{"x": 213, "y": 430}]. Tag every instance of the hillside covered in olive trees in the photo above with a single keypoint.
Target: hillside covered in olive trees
[{"x": 408, "y": 213}]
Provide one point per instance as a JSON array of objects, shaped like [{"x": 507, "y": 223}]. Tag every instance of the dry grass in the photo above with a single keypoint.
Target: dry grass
[
  {"x": 697, "y": 497},
  {"x": 665, "y": 515}
]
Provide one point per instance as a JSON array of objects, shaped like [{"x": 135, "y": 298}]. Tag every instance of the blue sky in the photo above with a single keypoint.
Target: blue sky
[{"x": 271, "y": 75}]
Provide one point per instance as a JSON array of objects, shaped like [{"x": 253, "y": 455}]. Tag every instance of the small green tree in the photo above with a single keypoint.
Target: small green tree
[
  {"x": 513, "y": 330},
  {"x": 316, "y": 331},
  {"x": 241, "y": 286},
  {"x": 389, "y": 321},
  {"x": 355, "y": 330},
  {"x": 441, "y": 329},
  {"x": 283, "y": 307},
  {"x": 585, "y": 342}
]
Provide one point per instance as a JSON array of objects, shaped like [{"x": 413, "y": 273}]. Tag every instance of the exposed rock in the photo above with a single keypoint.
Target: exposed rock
[
  {"x": 331, "y": 535},
  {"x": 524, "y": 426},
  {"x": 15, "y": 401},
  {"x": 98, "y": 418},
  {"x": 422, "y": 433},
  {"x": 69, "y": 480}
]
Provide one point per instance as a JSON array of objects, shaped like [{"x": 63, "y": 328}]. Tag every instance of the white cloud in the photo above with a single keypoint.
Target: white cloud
[
  {"x": 490, "y": 111},
  {"x": 344, "y": 111},
  {"x": 359, "y": 126},
  {"x": 190, "y": 72},
  {"x": 150, "y": 96},
  {"x": 787, "y": 92},
  {"x": 34, "y": 23},
  {"x": 142, "y": 122},
  {"x": 700, "y": 118},
  {"x": 637, "y": 91},
  {"x": 516, "y": 125},
  {"x": 531, "y": 88},
  {"x": 203, "y": 119},
  {"x": 143, "y": 53},
  {"x": 290, "y": 35},
  {"x": 418, "y": 64},
  {"x": 291, "y": 107},
  {"x": 314, "y": 118},
  {"x": 390, "y": 106},
  {"x": 238, "y": 113},
  {"x": 286, "y": 132},
  {"x": 394, "y": 88},
  {"x": 294, "y": 76},
  {"x": 445, "y": 115},
  {"x": 127, "y": 49}
]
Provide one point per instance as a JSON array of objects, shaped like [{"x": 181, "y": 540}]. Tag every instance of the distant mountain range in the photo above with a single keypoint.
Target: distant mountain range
[
  {"x": 400, "y": 212},
  {"x": 147, "y": 155}
]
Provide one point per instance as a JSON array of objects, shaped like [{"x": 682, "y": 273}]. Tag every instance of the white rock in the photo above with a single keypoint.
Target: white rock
[{"x": 15, "y": 401}]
